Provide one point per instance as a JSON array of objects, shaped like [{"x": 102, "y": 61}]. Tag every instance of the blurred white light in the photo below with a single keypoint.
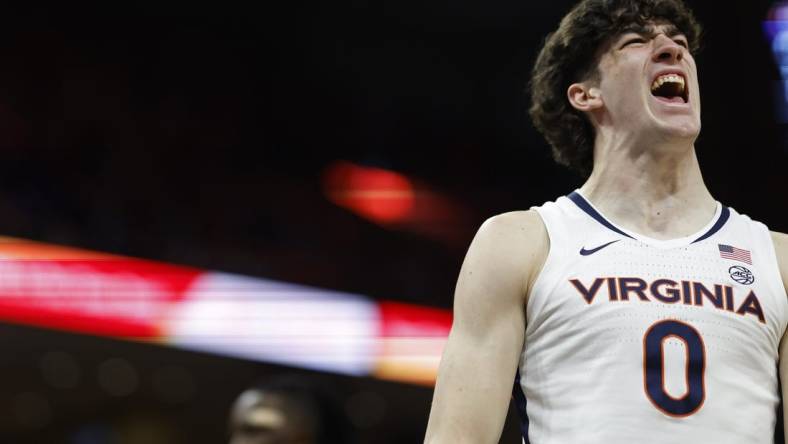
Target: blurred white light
[{"x": 276, "y": 322}]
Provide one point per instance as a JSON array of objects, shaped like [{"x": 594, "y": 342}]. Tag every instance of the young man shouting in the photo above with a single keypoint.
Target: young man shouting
[{"x": 637, "y": 308}]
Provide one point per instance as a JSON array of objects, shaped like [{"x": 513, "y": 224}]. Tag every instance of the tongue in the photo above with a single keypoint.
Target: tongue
[{"x": 674, "y": 99}]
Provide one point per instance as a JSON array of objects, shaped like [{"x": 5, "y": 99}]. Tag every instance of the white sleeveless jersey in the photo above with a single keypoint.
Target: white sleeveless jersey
[{"x": 636, "y": 340}]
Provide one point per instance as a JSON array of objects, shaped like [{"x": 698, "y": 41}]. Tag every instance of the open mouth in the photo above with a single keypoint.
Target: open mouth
[{"x": 671, "y": 88}]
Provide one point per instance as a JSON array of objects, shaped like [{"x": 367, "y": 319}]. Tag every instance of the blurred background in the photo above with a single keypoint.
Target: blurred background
[{"x": 225, "y": 195}]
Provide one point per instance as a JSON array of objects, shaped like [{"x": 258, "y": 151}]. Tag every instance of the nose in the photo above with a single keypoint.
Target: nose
[{"x": 667, "y": 51}]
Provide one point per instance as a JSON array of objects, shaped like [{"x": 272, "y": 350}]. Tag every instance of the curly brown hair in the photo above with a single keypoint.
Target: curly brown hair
[{"x": 570, "y": 55}]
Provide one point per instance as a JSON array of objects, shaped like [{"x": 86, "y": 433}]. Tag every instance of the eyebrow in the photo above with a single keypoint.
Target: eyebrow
[{"x": 650, "y": 30}]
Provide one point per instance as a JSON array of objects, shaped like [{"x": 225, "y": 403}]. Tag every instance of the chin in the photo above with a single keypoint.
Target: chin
[
  {"x": 686, "y": 132},
  {"x": 684, "y": 129}
]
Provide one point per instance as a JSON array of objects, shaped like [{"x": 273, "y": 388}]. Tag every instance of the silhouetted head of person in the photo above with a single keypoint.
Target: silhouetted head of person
[{"x": 287, "y": 413}]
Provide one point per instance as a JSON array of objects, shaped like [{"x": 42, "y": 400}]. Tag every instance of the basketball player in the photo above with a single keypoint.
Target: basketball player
[
  {"x": 288, "y": 410},
  {"x": 637, "y": 308},
  {"x": 273, "y": 417}
]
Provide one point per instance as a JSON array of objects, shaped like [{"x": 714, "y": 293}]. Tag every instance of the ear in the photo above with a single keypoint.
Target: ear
[{"x": 584, "y": 97}]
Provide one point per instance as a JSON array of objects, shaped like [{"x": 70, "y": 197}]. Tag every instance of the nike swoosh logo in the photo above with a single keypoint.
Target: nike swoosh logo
[{"x": 584, "y": 252}]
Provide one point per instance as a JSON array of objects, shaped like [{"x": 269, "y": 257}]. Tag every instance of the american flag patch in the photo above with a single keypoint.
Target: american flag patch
[{"x": 736, "y": 254}]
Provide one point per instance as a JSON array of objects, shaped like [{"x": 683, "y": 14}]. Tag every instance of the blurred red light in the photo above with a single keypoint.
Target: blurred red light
[
  {"x": 380, "y": 195},
  {"x": 400, "y": 319}
]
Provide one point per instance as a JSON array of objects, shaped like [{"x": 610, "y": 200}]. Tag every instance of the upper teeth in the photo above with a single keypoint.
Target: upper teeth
[{"x": 675, "y": 78}]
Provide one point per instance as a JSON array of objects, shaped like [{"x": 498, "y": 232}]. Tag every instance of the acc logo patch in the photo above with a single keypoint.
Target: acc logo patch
[{"x": 741, "y": 275}]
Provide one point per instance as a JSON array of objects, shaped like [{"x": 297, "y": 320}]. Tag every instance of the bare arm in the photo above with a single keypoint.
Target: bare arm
[
  {"x": 781, "y": 248},
  {"x": 480, "y": 359}
]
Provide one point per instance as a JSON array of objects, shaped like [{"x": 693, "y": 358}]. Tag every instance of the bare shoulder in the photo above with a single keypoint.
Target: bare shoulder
[
  {"x": 523, "y": 219},
  {"x": 496, "y": 275},
  {"x": 780, "y": 239},
  {"x": 781, "y": 248},
  {"x": 524, "y": 228},
  {"x": 523, "y": 231},
  {"x": 514, "y": 242}
]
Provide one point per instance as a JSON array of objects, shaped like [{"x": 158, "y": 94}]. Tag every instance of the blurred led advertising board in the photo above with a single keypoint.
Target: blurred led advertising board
[{"x": 94, "y": 293}]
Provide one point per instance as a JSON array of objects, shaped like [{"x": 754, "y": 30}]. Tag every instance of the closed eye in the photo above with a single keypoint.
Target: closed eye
[{"x": 632, "y": 41}]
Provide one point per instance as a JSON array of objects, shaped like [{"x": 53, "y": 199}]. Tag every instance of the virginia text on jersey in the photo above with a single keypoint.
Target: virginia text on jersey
[{"x": 669, "y": 291}]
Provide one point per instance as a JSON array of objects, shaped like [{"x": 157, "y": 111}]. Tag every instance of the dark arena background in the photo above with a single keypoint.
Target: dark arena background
[{"x": 196, "y": 199}]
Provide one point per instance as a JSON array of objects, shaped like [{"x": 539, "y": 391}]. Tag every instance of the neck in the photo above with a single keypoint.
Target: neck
[{"x": 658, "y": 192}]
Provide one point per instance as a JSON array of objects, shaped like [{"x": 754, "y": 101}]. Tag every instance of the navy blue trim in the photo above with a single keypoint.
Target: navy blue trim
[
  {"x": 520, "y": 402},
  {"x": 725, "y": 214},
  {"x": 581, "y": 202}
]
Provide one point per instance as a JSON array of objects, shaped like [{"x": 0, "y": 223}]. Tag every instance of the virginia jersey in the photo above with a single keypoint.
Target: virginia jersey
[{"x": 632, "y": 339}]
